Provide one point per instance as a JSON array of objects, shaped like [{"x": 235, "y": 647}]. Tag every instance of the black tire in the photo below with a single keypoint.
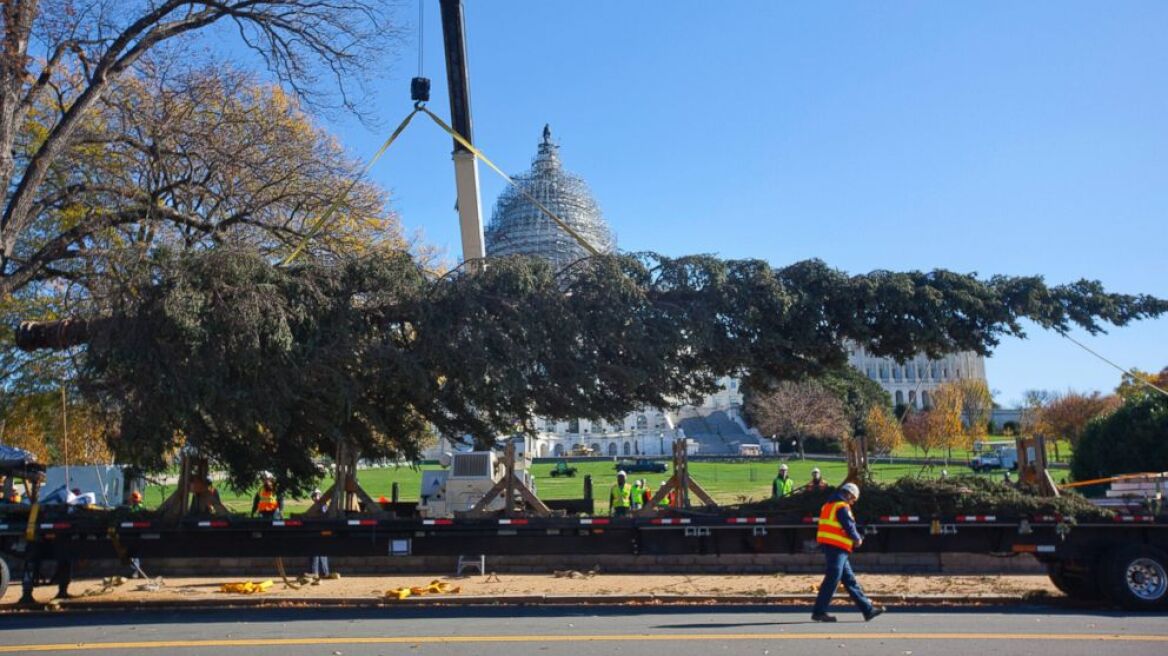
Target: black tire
[
  {"x": 1082, "y": 584},
  {"x": 5, "y": 576},
  {"x": 1135, "y": 577}
]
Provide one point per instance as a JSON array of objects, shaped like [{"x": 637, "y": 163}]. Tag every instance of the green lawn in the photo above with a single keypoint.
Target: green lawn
[{"x": 727, "y": 482}]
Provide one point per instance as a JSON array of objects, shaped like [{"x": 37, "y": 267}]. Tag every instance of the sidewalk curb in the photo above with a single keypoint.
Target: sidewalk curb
[{"x": 233, "y": 602}]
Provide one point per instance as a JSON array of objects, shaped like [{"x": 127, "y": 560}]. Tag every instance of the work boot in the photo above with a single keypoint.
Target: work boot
[
  {"x": 822, "y": 617},
  {"x": 871, "y": 615}
]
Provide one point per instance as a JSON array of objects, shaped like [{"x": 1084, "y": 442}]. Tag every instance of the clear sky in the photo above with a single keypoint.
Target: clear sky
[{"x": 989, "y": 137}]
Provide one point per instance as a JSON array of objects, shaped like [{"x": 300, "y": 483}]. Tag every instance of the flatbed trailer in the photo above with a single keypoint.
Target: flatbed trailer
[{"x": 1123, "y": 560}]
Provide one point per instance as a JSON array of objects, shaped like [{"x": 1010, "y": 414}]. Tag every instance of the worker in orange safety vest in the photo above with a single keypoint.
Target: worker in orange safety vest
[
  {"x": 267, "y": 502},
  {"x": 837, "y": 536}
]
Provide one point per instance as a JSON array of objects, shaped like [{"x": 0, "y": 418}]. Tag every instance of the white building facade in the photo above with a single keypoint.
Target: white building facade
[{"x": 913, "y": 382}]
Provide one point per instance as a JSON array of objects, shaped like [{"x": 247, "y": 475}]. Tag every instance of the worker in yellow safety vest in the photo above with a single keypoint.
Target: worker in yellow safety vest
[
  {"x": 667, "y": 500},
  {"x": 782, "y": 485},
  {"x": 267, "y": 502},
  {"x": 837, "y": 536},
  {"x": 636, "y": 499},
  {"x": 621, "y": 497}
]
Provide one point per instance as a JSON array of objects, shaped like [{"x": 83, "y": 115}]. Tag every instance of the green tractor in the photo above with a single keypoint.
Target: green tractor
[{"x": 562, "y": 469}]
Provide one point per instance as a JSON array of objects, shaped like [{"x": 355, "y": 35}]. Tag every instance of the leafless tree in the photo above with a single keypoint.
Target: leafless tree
[{"x": 796, "y": 410}]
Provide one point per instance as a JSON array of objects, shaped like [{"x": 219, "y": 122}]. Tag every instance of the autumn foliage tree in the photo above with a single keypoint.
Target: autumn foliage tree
[
  {"x": 1138, "y": 384},
  {"x": 884, "y": 432},
  {"x": 977, "y": 406},
  {"x": 940, "y": 425},
  {"x": 63, "y": 59},
  {"x": 56, "y": 430},
  {"x": 1066, "y": 416}
]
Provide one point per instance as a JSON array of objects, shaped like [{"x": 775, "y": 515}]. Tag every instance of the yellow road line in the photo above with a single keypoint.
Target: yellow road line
[{"x": 633, "y": 637}]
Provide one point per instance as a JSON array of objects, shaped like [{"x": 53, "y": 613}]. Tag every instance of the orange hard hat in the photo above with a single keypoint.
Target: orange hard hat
[{"x": 135, "y": 496}]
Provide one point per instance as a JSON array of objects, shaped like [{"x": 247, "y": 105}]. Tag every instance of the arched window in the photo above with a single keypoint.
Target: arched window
[
  {"x": 910, "y": 372},
  {"x": 872, "y": 373},
  {"x": 612, "y": 448},
  {"x": 925, "y": 401},
  {"x": 899, "y": 397},
  {"x": 642, "y": 422},
  {"x": 912, "y": 398},
  {"x": 574, "y": 426},
  {"x": 896, "y": 373},
  {"x": 559, "y": 450},
  {"x": 596, "y": 448},
  {"x": 628, "y": 449}
]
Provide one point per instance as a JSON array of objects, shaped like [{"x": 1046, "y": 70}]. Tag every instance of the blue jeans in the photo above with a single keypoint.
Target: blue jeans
[
  {"x": 839, "y": 569},
  {"x": 320, "y": 566}
]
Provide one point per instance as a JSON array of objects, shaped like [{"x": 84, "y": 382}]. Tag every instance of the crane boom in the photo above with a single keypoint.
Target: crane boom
[{"x": 466, "y": 169}]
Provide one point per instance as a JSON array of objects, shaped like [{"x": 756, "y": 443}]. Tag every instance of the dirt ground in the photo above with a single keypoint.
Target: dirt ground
[{"x": 568, "y": 584}]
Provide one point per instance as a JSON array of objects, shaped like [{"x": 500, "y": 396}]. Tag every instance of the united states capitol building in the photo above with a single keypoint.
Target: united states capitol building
[{"x": 716, "y": 426}]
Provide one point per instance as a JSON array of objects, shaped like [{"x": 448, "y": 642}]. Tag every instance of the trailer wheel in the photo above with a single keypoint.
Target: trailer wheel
[
  {"x": 1135, "y": 577},
  {"x": 1076, "y": 585},
  {"x": 5, "y": 576}
]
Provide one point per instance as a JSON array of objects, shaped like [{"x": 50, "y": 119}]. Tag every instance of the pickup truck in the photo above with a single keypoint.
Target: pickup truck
[
  {"x": 641, "y": 465},
  {"x": 1006, "y": 458}
]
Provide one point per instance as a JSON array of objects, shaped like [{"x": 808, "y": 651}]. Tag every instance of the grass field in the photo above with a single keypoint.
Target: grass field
[{"x": 727, "y": 482}]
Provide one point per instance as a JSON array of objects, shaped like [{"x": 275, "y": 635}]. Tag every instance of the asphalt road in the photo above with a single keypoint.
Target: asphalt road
[{"x": 672, "y": 631}]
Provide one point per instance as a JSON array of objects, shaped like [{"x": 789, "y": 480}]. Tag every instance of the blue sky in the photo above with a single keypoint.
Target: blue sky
[{"x": 996, "y": 137}]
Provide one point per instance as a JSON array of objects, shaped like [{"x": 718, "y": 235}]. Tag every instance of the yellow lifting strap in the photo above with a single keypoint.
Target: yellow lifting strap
[
  {"x": 542, "y": 208},
  {"x": 336, "y": 203}
]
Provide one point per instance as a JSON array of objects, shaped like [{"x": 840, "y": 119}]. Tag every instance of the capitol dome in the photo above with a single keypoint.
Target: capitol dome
[{"x": 518, "y": 227}]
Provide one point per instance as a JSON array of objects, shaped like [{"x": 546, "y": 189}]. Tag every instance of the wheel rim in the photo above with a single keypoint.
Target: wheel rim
[{"x": 1147, "y": 579}]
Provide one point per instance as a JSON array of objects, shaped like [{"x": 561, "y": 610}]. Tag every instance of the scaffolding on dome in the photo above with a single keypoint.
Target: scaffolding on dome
[{"x": 518, "y": 227}]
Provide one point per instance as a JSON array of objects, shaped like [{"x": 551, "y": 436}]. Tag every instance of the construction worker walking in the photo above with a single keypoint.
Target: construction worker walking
[
  {"x": 837, "y": 537},
  {"x": 621, "y": 496},
  {"x": 268, "y": 503},
  {"x": 134, "y": 508},
  {"x": 782, "y": 485}
]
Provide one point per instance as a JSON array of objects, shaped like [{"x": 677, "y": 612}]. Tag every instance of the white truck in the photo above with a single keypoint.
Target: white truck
[{"x": 989, "y": 456}]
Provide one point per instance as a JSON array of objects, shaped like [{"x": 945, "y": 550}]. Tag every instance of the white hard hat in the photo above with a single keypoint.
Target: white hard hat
[
  {"x": 622, "y": 473},
  {"x": 316, "y": 492},
  {"x": 662, "y": 483},
  {"x": 852, "y": 489},
  {"x": 266, "y": 475},
  {"x": 783, "y": 466},
  {"x": 815, "y": 471}
]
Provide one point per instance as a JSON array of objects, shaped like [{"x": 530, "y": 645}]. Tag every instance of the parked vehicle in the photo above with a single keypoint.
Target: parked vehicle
[
  {"x": 563, "y": 469},
  {"x": 1000, "y": 458},
  {"x": 641, "y": 465}
]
